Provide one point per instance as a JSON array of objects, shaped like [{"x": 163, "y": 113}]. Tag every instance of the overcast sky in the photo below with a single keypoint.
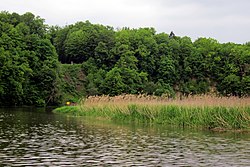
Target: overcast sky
[{"x": 224, "y": 20}]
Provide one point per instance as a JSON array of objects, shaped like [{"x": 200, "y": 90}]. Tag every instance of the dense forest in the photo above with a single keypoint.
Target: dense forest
[{"x": 45, "y": 65}]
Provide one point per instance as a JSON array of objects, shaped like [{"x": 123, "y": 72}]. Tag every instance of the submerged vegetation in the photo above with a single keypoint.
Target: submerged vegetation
[
  {"x": 48, "y": 65},
  {"x": 199, "y": 112}
]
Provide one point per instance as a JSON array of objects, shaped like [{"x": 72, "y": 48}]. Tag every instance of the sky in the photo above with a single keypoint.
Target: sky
[{"x": 224, "y": 20}]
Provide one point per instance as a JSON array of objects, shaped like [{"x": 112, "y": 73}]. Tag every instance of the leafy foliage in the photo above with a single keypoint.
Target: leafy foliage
[
  {"x": 141, "y": 61},
  {"x": 113, "y": 62},
  {"x": 28, "y": 66}
]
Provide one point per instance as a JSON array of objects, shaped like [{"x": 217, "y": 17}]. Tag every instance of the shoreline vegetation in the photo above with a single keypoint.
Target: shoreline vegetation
[
  {"x": 204, "y": 112},
  {"x": 42, "y": 65}
]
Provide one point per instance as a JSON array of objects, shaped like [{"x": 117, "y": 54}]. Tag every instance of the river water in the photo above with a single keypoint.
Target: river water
[{"x": 40, "y": 138}]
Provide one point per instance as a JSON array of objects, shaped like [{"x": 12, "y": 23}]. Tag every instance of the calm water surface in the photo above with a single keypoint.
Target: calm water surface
[{"x": 39, "y": 138}]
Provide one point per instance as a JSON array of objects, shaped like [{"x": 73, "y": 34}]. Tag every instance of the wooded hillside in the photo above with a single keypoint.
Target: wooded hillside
[{"x": 124, "y": 61}]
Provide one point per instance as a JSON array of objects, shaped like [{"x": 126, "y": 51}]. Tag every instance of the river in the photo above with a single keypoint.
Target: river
[{"x": 29, "y": 137}]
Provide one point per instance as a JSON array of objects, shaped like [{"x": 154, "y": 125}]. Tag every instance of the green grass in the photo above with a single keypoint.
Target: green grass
[{"x": 214, "y": 118}]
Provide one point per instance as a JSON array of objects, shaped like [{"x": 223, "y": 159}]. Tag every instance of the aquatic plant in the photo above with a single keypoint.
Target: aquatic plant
[{"x": 169, "y": 113}]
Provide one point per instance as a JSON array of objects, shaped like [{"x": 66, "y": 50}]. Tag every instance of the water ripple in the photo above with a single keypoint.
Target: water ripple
[{"x": 40, "y": 139}]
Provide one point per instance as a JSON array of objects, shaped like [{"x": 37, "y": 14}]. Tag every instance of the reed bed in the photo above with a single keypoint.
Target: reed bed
[
  {"x": 216, "y": 113},
  {"x": 193, "y": 101}
]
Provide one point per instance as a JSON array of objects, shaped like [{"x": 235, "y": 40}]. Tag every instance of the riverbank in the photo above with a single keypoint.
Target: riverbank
[{"x": 224, "y": 114}]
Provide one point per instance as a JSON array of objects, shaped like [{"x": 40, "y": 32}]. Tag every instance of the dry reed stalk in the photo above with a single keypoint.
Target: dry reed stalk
[{"x": 194, "y": 101}]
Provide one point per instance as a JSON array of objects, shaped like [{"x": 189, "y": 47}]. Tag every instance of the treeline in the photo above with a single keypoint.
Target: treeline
[
  {"x": 28, "y": 61},
  {"x": 129, "y": 61},
  {"x": 135, "y": 61}
]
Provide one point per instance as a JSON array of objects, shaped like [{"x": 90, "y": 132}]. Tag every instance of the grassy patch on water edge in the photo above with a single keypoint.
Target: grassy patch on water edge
[{"x": 208, "y": 117}]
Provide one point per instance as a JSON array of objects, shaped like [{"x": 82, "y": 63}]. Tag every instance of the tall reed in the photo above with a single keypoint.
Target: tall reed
[
  {"x": 203, "y": 112},
  {"x": 204, "y": 100}
]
